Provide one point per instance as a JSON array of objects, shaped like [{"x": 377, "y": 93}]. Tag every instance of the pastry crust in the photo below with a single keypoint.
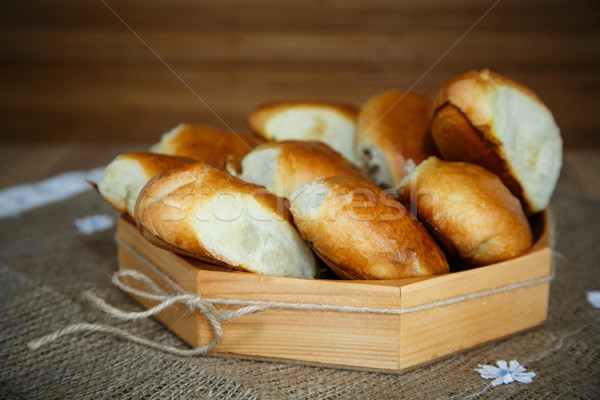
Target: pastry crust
[
  {"x": 127, "y": 174},
  {"x": 362, "y": 232},
  {"x": 501, "y": 125},
  {"x": 469, "y": 210},
  {"x": 213, "y": 146},
  {"x": 392, "y": 135},
  {"x": 203, "y": 212},
  {"x": 283, "y": 167}
]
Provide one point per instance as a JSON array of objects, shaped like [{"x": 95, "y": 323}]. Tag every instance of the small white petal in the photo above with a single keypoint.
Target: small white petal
[
  {"x": 498, "y": 381},
  {"x": 488, "y": 371},
  {"x": 524, "y": 377},
  {"x": 514, "y": 364},
  {"x": 508, "y": 378},
  {"x": 593, "y": 297},
  {"x": 502, "y": 364},
  {"x": 520, "y": 368},
  {"x": 490, "y": 375},
  {"x": 488, "y": 367}
]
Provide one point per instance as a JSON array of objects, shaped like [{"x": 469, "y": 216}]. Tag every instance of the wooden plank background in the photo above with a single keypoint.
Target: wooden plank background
[{"x": 73, "y": 70}]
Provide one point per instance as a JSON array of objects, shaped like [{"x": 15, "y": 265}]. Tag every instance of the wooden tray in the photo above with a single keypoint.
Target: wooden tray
[{"x": 489, "y": 303}]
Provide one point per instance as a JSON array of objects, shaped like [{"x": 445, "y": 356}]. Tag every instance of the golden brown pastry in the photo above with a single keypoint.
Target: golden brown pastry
[
  {"x": 475, "y": 217},
  {"x": 493, "y": 121},
  {"x": 331, "y": 123},
  {"x": 203, "y": 212},
  {"x": 362, "y": 232},
  {"x": 211, "y": 145},
  {"x": 127, "y": 174},
  {"x": 392, "y": 135},
  {"x": 283, "y": 167}
]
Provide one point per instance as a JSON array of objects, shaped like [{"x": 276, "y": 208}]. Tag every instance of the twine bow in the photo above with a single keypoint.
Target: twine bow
[{"x": 194, "y": 302}]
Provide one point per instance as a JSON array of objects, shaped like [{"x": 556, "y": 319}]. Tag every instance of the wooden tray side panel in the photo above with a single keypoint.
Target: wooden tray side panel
[
  {"x": 442, "y": 331},
  {"x": 331, "y": 338}
]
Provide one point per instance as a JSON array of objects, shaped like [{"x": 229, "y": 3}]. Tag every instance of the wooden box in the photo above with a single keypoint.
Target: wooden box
[{"x": 442, "y": 315}]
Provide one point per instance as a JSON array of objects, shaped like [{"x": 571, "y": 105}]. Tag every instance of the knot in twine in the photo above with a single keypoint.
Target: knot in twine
[{"x": 215, "y": 317}]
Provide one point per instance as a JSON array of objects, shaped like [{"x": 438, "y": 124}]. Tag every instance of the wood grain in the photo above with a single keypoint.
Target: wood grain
[{"x": 73, "y": 71}]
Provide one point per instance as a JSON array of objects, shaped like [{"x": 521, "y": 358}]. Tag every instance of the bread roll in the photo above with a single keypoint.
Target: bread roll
[
  {"x": 203, "y": 212},
  {"x": 127, "y": 174},
  {"x": 362, "y": 232},
  {"x": 475, "y": 217},
  {"x": 392, "y": 135},
  {"x": 490, "y": 120},
  {"x": 334, "y": 124},
  {"x": 283, "y": 167},
  {"x": 211, "y": 145}
]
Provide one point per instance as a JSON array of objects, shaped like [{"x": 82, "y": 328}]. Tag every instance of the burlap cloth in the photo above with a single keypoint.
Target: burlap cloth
[{"x": 45, "y": 265}]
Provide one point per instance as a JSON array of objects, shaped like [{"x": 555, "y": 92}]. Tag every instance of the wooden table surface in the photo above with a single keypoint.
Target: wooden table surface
[{"x": 23, "y": 163}]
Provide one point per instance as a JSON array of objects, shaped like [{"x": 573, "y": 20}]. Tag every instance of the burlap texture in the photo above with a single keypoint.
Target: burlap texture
[{"x": 45, "y": 265}]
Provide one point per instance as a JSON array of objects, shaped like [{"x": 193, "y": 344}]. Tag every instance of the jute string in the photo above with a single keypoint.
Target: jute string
[{"x": 215, "y": 317}]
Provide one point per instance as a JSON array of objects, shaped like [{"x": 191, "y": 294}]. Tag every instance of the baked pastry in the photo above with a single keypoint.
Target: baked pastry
[
  {"x": 493, "y": 121},
  {"x": 474, "y": 216},
  {"x": 331, "y": 123},
  {"x": 392, "y": 135},
  {"x": 362, "y": 232},
  {"x": 283, "y": 167},
  {"x": 211, "y": 145},
  {"x": 203, "y": 212},
  {"x": 127, "y": 174}
]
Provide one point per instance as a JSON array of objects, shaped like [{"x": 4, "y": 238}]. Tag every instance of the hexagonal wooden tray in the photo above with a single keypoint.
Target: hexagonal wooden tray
[{"x": 487, "y": 304}]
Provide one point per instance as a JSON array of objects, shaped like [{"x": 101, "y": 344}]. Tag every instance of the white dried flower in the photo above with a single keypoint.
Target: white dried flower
[{"x": 505, "y": 373}]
